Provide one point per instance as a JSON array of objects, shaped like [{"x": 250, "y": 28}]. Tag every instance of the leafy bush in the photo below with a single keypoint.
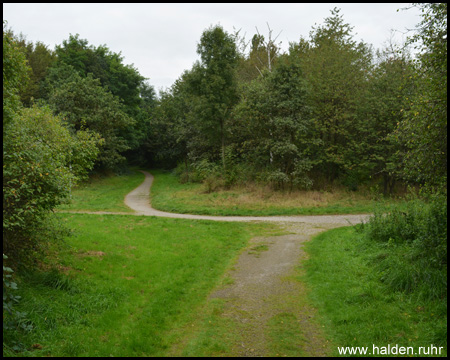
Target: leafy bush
[
  {"x": 41, "y": 163},
  {"x": 203, "y": 171}
]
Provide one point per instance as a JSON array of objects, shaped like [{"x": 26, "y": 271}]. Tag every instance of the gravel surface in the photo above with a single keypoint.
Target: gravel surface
[{"x": 138, "y": 200}]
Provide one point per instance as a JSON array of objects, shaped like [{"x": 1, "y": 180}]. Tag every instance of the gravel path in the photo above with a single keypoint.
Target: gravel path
[{"x": 138, "y": 200}]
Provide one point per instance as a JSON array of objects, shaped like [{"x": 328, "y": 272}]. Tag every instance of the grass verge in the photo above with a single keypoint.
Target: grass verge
[
  {"x": 356, "y": 308},
  {"x": 168, "y": 194},
  {"x": 126, "y": 286},
  {"x": 104, "y": 193}
]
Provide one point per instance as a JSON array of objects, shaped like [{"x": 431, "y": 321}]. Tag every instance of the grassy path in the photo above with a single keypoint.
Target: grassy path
[{"x": 262, "y": 308}]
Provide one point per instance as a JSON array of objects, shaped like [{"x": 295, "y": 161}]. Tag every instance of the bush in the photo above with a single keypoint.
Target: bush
[{"x": 41, "y": 162}]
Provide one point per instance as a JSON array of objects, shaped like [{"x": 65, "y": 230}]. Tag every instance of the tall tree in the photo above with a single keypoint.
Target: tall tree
[
  {"x": 424, "y": 131},
  {"x": 85, "y": 104},
  {"x": 122, "y": 80},
  {"x": 216, "y": 91},
  {"x": 336, "y": 68},
  {"x": 389, "y": 91},
  {"x": 276, "y": 119},
  {"x": 40, "y": 59}
]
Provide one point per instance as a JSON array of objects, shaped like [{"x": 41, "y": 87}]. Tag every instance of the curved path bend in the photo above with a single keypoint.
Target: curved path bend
[{"x": 139, "y": 201}]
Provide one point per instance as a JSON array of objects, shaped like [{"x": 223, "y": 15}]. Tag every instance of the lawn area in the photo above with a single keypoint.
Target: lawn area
[
  {"x": 356, "y": 308},
  {"x": 104, "y": 193},
  {"x": 127, "y": 286},
  {"x": 138, "y": 286},
  {"x": 168, "y": 194}
]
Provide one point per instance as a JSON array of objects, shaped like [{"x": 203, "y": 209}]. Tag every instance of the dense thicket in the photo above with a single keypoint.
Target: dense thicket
[{"x": 328, "y": 110}]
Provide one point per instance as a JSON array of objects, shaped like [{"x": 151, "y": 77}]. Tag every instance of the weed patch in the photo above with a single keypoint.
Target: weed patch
[{"x": 169, "y": 194}]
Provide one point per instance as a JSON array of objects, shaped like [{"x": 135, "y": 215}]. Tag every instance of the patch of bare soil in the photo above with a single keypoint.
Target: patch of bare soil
[{"x": 91, "y": 253}]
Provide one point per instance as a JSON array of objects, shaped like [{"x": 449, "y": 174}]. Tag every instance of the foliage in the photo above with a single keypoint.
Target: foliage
[
  {"x": 76, "y": 60},
  {"x": 415, "y": 242},
  {"x": 391, "y": 85},
  {"x": 166, "y": 143},
  {"x": 84, "y": 104},
  {"x": 215, "y": 89},
  {"x": 121, "y": 80},
  {"x": 15, "y": 74},
  {"x": 326, "y": 111},
  {"x": 40, "y": 59},
  {"x": 336, "y": 69},
  {"x": 263, "y": 56},
  {"x": 275, "y": 122},
  {"x": 41, "y": 162},
  {"x": 424, "y": 131},
  {"x": 12, "y": 319}
]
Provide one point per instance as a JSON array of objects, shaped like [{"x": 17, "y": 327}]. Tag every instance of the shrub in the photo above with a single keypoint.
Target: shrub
[{"x": 41, "y": 162}]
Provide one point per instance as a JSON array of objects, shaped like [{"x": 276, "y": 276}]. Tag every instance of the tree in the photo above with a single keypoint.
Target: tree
[
  {"x": 216, "y": 91},
  {"x": 275, "y": 116},
  {"x": 262, "y": 56},
  {"x": 40, "y": 59},
  {"x": 424, "y": 131},
  {"x": 391, "y": 86},
  {"x": 336, "y": 68},
  {"x": 85, "y": 104},
  {"x": 138, "y": 134},
  {"x": 15, "y": 75},
  {"x": 123, "y": 81}
]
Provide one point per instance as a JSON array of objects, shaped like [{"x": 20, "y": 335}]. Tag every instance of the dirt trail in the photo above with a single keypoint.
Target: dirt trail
[{"x": 264, "y": 284}]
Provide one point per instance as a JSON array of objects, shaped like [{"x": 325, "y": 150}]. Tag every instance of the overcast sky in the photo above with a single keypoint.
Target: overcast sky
[{"x": 160, "y": 40}]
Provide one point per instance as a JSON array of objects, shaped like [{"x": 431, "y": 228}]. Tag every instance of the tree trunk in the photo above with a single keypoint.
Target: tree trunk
[
  {"x": 187, "y": 167},
  {"x": 223, "y": 145}
]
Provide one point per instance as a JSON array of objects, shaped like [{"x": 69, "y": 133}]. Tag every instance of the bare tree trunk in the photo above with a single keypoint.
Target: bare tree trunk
[{"x": 269, "y": 46}]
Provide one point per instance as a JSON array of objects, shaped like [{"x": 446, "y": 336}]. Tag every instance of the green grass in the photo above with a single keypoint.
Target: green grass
[
  {"x": 356, "y": 308},
  {"x": 168, "y": 194},
  {"x": 128, "y": 286},
  {"x": 139, "y": 286},
  {"x": 104, "y": 193}
]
